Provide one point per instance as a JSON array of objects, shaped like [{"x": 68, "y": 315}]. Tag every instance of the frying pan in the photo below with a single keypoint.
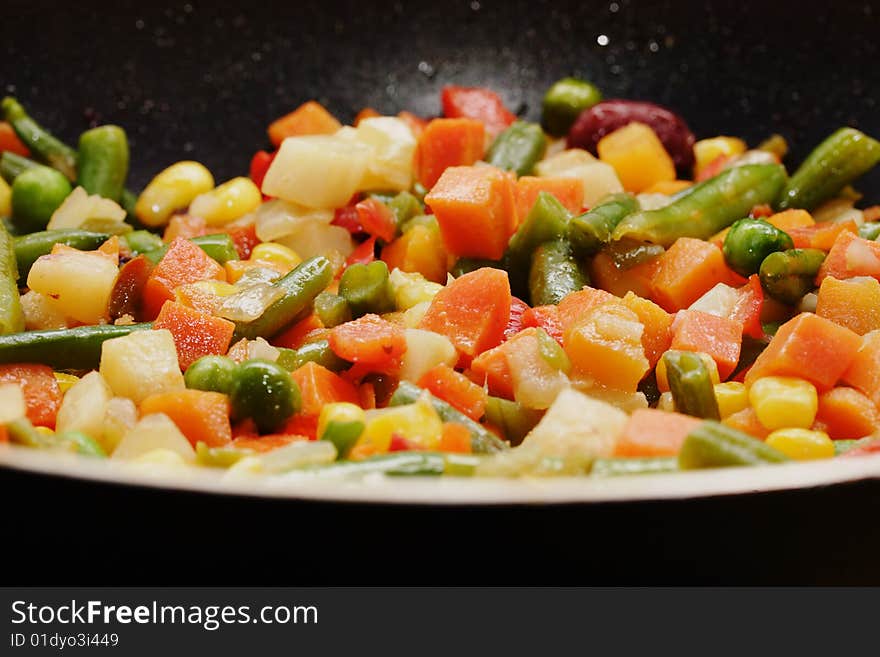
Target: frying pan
[{"x": 201, "y": 81}]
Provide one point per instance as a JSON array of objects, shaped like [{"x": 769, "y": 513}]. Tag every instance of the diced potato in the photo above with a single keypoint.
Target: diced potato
[
  {"x": 412, "y": 317},
  {"x": 311, "y": 238},
  {"x": 599, "y": 179},
  {"x": 410, "y": 289},
  {"x": 141, "y": 364},
  {"x": 637, "y": 155},
  {"x": 120, "y": 417},
  {"x": 12, "y": 405},
  {"x": 718, "y": 301},
  {"x": 278, "y": 218},
  {"x": 84, "y": 407},
  {"x": 77, "y": 283},
  {"x": 80, "y": 210},
  {"x": 424, "y": 350},
  {"x": 393, "y": 144},
  {"x": 155, "y": 431},
  {"x": 318, "y": 171},
  {"x": 40, "y": 313}
]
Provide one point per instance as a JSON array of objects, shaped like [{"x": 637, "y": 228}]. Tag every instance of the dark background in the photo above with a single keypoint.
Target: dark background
[{"x": 202, "y": 81}]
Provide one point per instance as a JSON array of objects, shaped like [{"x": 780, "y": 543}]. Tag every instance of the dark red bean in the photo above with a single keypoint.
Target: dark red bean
[{"x": 609, "y": 115}]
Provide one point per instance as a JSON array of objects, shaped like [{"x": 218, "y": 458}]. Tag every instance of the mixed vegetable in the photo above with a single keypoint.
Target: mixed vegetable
[{"x": 599, "y": 294}]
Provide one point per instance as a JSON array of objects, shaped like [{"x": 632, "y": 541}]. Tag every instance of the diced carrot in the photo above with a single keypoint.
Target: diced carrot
[
  {"x": 245, "y": 239},
  {"x": 370, "y": 341},
  {"x": 195, "y": 333},
  {"x": 518, "y": 308},
  {"x": 376, "y": 218},
  {"x": 788, "y": 219},
  {"x": 448, "y": 143},
  {"x": 575, "y": 306},
  {"x": 747, "y": 421},
  {"x": 262, "y": 444},
  {"x": 749, "y": 306},
  {"x": 455, "y": 438},
  {"x": 295, "y": 336},
  {"x": 637, "y": 155},
  {"x": 472, "y": 311},
  {"x": 474, "y": 207},
  {"x": 568, "y": 191},
  {"x": 420, "y": 249},
  {"x": 720, "y": 337},
  {"x": 668, "y": 187},
  {"x": 851, "y": 256},
  {"x": 365, "y": 113},
  {"x": 545, "y": 317},
  {"x": 201, "y": 416},
  {"x": 686, "y": 271},
  {"x": 184, "y": 262},
  {"x": 308, "y": 119},
  {"x": 491, "y": 369},
  {"x": 605, "y": 274},
  {"x": 319, "y": 386},
  {"x": 456, "y": 389},
  {"x": 761, "y": 211},
  {"x": 864, "y": 372},
  {"x": 847, "y": 414},
  {"x": 4, "y": 434},
  {"x": 714, "y": 167},
  {"x": 651, "y": 432},
  {"x": 184, "y": 225},
  {"x": 809, "y": 347},
  {"x": 301, "y": 425},
  {"x": 416, "y": 123},
  {"x": 657, "y": 335},
  {"x": 42, "y": 396},
  {"x": 821, "y": 236},
  {"x": 9, "y": 141},
  {"x": 364, "y": 253},
  {"x": 853, "y": 303}
]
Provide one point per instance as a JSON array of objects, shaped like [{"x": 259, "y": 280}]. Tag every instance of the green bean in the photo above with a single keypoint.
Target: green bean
[
  {"x": 11, "y": 315},
  {"x": 464, "y": 266},
  {"x": 788, "y": 275},
  {"x": 343, "y": 435},
  {"x": 13, "y": 164},
  {"x": 614, "y": 467},
  {"x": 22, "y": 432},
  {"x": 211, "y": 373},
  {"x": 691, "y": 384},
  {"x": 708, "y": 207},
  {"x": 564, "y": 102},
  {"x": 263, "y": 391},
  {"x": 41, "y": 143},
  {"x": 367, "y": 288},
  {"x": 142, "y": 241},
  {"x": 546, "y": 221},
  {"x": 844, "y": 156},
  {"x": 554, "y": 274},
  {"x": 589, "y": 232},
  {"x": 332, "y": 309},
  {"x": 220, "y": 457},
  {"x": 514, "y": 419},
  {"x": 518, "y": 148},
  {"x": 405, "y": 206},
  {"x": 394, "y": 464},
  {"x": 714, "y": 445},
  {"x": 870, "y": 230},
  {"x": 318, "y": 352},
  {"x": 36, "y": 194},
  {"x": 218, "y": 246},
  {"x": 482, "y": 440},
  {"x": 33, "y": 245},
  {"x": 749, "y": 241},
  {"x": 103, "y": 161}
]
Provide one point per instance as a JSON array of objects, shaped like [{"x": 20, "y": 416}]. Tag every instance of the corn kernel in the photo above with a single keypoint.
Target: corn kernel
[
  {"x": 341, "y": 413},
  {"x": 227, "y": 202},
  {"x": 278, "y": 255},
  {"x": 707, "y": 151},
  {"x": 666, "y": 402},
  {"x": 65, "y": 381},
  {"x": 663, "y": 381},
  {"x": 732, "y": 397},
  {"x": 781, "y": 402},
  {"x": 802, "y": 444},
  {"x": 172, "y": 189},
  {"x": 5, "y": 199}
]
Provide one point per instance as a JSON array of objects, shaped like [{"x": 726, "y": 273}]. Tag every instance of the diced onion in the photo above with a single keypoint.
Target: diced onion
[{"x": 250, "y": 303}]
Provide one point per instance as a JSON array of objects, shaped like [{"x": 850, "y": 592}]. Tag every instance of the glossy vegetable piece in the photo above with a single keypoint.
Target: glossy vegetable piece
[
  {"x": 686, "y": 271},
  {"x": 10, "y": 142},
  {"x": 706, "y": 208},
  {"x": 264, "y": 392},
  {"x": 219, "y": 246},
  {"x": 212, "y": 374},
  {"x": 141, "y": 241},
  {"x": 419, "y": 250},
  {"x": 853, "y": 303},
  {"x": 788, "y": 275},
  {"x": 554, "y": 273},
  {"x": 714, "y": 445},
  {"x": 518, "y": 148},
  {"x": 846, "y": 413},
  {"x": 36, "y": 194},
  {"x": 546, "y": 221},
  {"x": 332, "y": 309},
  {"x": 342, "y": 424},
  {"x": 851, "y": 256},
  {"x": 821, "y": 235},
  {"x": 11, "y": 314},
  {"x": 749, "y": 241},
  {"x": 844, "y": 156},
  {"x": 370, "y": 342},
  {"x": 448, "y": 143},
  {"x": 184, "y": 262},
  {"x": 103, "y": 161},
  {"x": 513, "y": 419},
  {"x": 568, "y": 191},
  {"x": 615, "y": 467},
  {"x": 650, "y": 433},
  {"x": 196, "y": 334},
  {"x": 564, "y": 102},
  {"x": 201, "y": 416},
  {"x": 43, "y": 146},
  {"x": 609, "y": 115},
  {"x": 171, "y": 189},
  {"x": 42, "y": 395},
  {"x": 310, "y": 118},
  {"x": 477, "y": 103},
  {"x": 637, "y": 156},
  {"x": 366, "y": 288},
  {"x": 691, "y": 385},
  {"x": 781, "y": 402},
  {"x": 33, "y": 245},
  {"x": 12, "y": 165},
  {"x": 801, "y": 444},
  {"x": 719, "y": 337},
  {"x": 864, "y": 371},
  {"x": 592, "y": 230},
  {"x": 227, "y": 202},
  {"x": 456, "y": 389}
]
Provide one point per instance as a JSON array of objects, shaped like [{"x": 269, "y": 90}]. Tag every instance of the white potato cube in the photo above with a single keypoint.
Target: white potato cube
[
  {"x": 424, "y": 350},
  {"x": 80, "y": 210},
  {"x": 154, "y": 431},
  {"x": 78, "y": 284},
  {"x": 393, "y": 145},
  {"x": 599, "y": 178},
  {"x": 84, "y": 407},
  {"x": 12, "y": 404},
  {"x": 119, "y": 419},
  {"x": 141, "y": 364},
  {"x": 40, "y": 313},
  {"x": 278, "y": 218}
]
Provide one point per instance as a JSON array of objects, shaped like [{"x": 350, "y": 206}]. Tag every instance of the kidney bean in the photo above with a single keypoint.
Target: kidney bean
[{"x": 609, "y": 115}]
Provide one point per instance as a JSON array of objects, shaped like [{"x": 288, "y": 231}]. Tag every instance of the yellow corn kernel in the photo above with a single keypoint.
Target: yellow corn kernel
[
  {"x": 339, "y": 413},
  {"x": 802, "y": 444},
  {"x": 707, "y": 150},
  {"x": 663, "y": 381},
  {"x": 732, "y": 396},
  {"x": 172, "y": 189},
  {"x": 666, "y": 402},
  {"x": 44, "y": 431},
  {"x": 781, "y": 402},
  {"x": 65, "y": 381},
  {"x": 275, "y": 254},
  {"x": 227, "y": 202},
  {"x": 418, "y": 423},
  {"x": 5, "y": 199}
]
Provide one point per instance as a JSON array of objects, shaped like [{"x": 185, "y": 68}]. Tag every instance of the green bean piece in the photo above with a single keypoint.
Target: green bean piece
[
  {"x": 708, "y": 207},
  {"x": 263, "y": 391},
  {"x": 627, "y": 253},
  {"x": 749, "y": 241},
  {"x": 482, "y": 440},
  {"x": 563, "y": 103},
  {"x": 11, "y": 314},
  {"x": 77, "y": 441},
  {"x": 36, "y": 194},
  {"x": 514, "y": 419},
  {"x": 547, "y": 221},
  {"x": 332, "y": 309},
  {"x": 318, "y": 352},
  {"x": 788, "y": 275},
  {"x": 426, "y": 220},
  {"x": 691, "y": 384},
  {"x": 518, "y": 148},
  {"x": 367, "y": 288},
  {"x": 715, "y": 445},
  {"x": 22, "y": 432},
  {"x": 464, "y": 266},
  {"x": 103, "y": 161},
  {"x": 13, "y": 164},
  {"x": 844, "y": 156},
  {"x": 218, "y": 246},
  {"x": 552, "y": 352},
  {"x": 870, "y": 230},
  {"x": 405, "y": 206},
  {"x": 343, "y": 435},
  {"x": 554, "y": 274},
  {"x": 300, "y": 288},
  {"x": 589, "y": 232},
  {"x": 76, "y": 348},
  {"x": 394, "y": 464},
  {"x": 615, "y": 467},
  {"x": 142, "y": 241},
  {"x": 41, "y": 143},
  {"x": 220, "y": 457},
  {"x": 211, "y": 373},
  {"x": 33, "y": 245}
]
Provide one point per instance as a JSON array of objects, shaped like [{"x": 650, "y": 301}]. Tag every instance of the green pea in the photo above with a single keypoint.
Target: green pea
[
  {"x": 749, "y": 241},
  {"x": 263, "y": 390},
  {"x": 212, "y": 373},
  {"x": 564, "y": 101},
  {"x": 36, "y": 194}
]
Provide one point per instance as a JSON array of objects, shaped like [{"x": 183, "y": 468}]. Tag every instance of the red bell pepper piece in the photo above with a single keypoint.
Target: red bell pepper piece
[
  {"x": 476, "y": 103},
  {"x": 348, "y": 217},
  {"x": 364, "y": 253},
  {"x": 518, "y": 307},
  {"x": 748, "y": 307},
  {"x": 545, "y": 317},
  {"x": 259, "y": 166},
  {"x": 377, "y": 219}
]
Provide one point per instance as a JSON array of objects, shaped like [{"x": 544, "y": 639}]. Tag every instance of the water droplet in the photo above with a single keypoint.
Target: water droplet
[
  {"x": 653, "y": 46},
  {"x": 476, "y": 6},
  {"x": 139, "y": 24},
  {"x": 188, "y": 147},
  {"x": 426, "y": 69},
  {"x": 603, "y": 40},
  {"x": 614, "y": 7}
]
